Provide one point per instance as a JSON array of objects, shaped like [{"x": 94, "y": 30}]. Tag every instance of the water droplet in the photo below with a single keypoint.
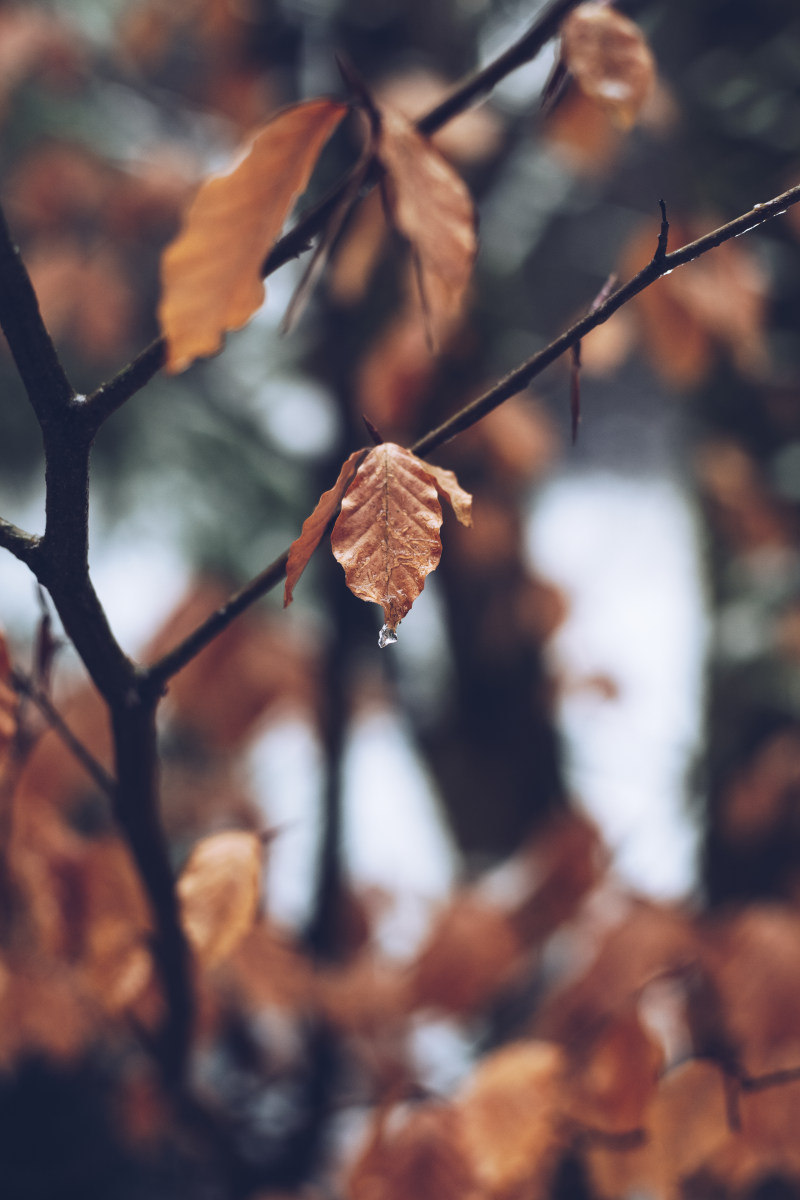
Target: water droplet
[
  {"x": 664, "y": 274},
  {"x": 387, "y": 637}
]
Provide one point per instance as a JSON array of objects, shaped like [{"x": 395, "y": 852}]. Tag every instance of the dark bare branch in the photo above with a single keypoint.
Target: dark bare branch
[{"x": 25, "y": 686}]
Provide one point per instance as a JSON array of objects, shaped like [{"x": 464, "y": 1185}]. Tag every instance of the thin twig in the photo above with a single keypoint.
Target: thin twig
[
  {"x": 519, "y": 379},
  {"x": 25, "y": 686}
]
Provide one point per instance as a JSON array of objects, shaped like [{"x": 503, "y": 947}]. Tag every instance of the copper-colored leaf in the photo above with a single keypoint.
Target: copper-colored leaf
[
  {"x": 211, "y": 273},
  {"x": 448, "y": 486},
  {"x": 219, "y": 891},
  {"x": 314, "y": 526},
  {"x": 431, "y": 206},
  {"x": 387, "y": 534},
  {"x": 510, "y": 1114},
  {"x": 609, "y": 58}
]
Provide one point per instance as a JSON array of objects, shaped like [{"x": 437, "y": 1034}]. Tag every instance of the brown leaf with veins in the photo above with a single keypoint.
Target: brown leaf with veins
[
  {"x": 211, "y": 273},
  {"x": 609, "y": 59},
  {"x": 315, "y": 525},
  {"x": 219, "y": 892},
  {"x": 387, "y": 535},
  {"x": 431, "y": 206}
]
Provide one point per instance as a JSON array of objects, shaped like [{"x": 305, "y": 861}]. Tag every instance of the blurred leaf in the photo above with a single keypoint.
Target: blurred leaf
[
  {"x": 510, "y": 1115},
  {"x": 211, "y": 273},
  {"x": 609, "y": 59},
  {"x": 219, "y": 891}
]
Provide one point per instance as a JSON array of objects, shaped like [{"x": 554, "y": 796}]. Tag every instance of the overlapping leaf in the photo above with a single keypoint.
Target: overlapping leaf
[
  {"x": 211, "y": 273},
  {"x": 609, "y": 58},
  {"x": 432, "y": 207},
  {"x": 314, "y": 526},
  {"x": 387, "y": 534}
]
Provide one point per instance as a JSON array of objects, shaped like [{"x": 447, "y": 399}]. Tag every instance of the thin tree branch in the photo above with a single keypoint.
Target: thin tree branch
[
  {"x": 117, "y": 391},
  {"x": 46, "y": 383},
  {"x": 160, "y": 672},
  {"x": 480, "y": 83},
  {"x": 25, "y": 686},
  {"x": 156, "y": 676},
  {"x": 659, "y": 265}
]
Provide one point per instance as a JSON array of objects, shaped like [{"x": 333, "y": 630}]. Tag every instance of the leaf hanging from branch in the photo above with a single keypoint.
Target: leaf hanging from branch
[
  {"x": 431, "y": 206},
  {"x": 387, "y": 534},
  {"x": 315, "y": 525},
  {"x": 609, "y": 59},
  {"x": 211, "y": 273}
]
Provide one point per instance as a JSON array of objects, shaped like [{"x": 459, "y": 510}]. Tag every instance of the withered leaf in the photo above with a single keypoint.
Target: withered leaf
[
  {"x": 211, "y": 273},
  {"x": 387, "y": 534},
  {"x": 609, "y": 58},
  {"x": 314, "y": 526},
  {"x": 431, "y": 206},
  {"x": 219, "y": 891},
  {"x": 510, "y": 1114}
]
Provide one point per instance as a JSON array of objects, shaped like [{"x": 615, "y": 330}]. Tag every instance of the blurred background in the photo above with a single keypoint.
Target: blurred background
[{"x": 619, "y": 635}]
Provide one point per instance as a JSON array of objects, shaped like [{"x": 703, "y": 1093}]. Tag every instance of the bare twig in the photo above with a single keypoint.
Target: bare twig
[
  {"x": 522, "y": 376},
  {"x": 155, "y": 677},
  {"x": 117, "y": 391},
  {"x": 663, "y": 237},
  {"x": 25, "y": 686}
]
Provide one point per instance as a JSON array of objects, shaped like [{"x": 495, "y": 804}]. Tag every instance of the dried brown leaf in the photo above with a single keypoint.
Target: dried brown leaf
[
  {"x": 609, "y": 58},
  {"x": 510, "y": 1114},
  {"x": 219, "y": 891},
  {"x": 448, "y": 486},
  {"x": 211, "y": 273},
  {"x": 315, "y": 525},
  {"x": 432, "y": 207},
  {"x": 387, "y": 535},
  {"x": 417, "y": 1152}
]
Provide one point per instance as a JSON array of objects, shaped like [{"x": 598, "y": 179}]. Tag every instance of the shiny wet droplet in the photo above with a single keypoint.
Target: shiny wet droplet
[{"x": 387, "y": 637}]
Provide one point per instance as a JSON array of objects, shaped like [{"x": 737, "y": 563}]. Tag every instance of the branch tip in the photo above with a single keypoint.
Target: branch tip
[{"x": 663, "y": 236}]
